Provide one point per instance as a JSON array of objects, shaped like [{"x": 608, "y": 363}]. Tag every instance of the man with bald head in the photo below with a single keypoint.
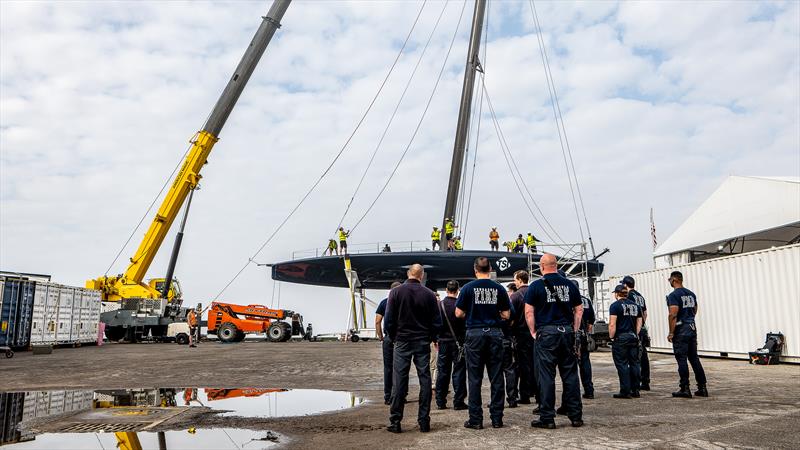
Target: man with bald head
[
  {"x": 412, "y": 322},
  {"x": 553, "y": 310}
]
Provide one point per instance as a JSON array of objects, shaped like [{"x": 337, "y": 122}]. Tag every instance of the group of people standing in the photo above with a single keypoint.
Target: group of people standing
[{"x": 518, "y": 337}]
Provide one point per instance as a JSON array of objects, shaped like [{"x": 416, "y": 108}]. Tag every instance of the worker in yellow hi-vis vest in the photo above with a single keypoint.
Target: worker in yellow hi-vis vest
[
  {"x": 436, "y": 236},
  {"x": 343, "y": 235},
  {"x": 457, "y": 244},
  {"x": 449, "y": 231},
  {"x": 531, "y": 242}
]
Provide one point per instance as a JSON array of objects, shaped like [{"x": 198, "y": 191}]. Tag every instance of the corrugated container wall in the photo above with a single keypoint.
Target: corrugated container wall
[
  {"x": 740, "y": 299},
  {"x": 16, "y": 312},
  {"x": 65, "y": 314}
]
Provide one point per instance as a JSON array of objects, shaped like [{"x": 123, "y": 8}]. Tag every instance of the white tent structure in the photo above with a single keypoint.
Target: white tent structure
[
  {"x": 744, "y": 214},
  {"x": 740, "y": 253}
]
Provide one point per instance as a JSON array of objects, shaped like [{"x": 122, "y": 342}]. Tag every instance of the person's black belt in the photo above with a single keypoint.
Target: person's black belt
[
  {"x": 561, "y": 328},
  {"x": 485, "y": 328}
]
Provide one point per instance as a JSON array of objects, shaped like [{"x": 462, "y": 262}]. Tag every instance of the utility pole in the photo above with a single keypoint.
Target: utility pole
[{"x": 473, "y": 65}]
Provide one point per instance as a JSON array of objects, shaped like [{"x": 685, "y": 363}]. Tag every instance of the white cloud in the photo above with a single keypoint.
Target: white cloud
[{"x": 98, "y": 101}]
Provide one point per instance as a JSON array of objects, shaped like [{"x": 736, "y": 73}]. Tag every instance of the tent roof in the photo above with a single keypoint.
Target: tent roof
[{"x": 741, "y": 206}]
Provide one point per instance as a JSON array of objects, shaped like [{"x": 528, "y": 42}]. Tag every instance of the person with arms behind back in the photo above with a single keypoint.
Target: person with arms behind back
[
  {"x": 484, "y": 304},
  {"x": 388, "y": 348},
  {"x": 682, "y": 305}
]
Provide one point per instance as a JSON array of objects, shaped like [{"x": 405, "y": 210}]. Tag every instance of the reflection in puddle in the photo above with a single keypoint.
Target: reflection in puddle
[
  {"x": 220, "y": 438},
  {"x": 103, "y": 419}
]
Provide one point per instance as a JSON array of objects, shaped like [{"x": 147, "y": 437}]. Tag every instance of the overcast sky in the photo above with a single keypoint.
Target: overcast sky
[{"x": 661, "y": 102}]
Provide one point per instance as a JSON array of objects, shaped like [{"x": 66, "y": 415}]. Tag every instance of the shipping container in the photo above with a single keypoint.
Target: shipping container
[
  {"x": 64, "y": 314},
  {"x": 11, "y": 408},
  {"x": 16, "y": 312},
  {"x": 740, "y": 299}
]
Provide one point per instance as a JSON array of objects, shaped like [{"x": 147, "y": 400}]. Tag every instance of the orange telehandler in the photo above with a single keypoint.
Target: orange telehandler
[{"x": 231, "y": 322}]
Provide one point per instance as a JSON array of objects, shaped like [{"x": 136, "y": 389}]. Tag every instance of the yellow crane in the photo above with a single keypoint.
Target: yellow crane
[{"x": 131, "y": 286}]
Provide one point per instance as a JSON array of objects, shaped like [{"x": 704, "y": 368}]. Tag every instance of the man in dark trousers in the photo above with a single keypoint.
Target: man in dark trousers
[
  {"x": 624, "y": 323},
  {"x": 510, "y": 364},
  {"x": 553, "y": 310},
  {"x": 485, "y": 304},
  {"x": 388, "y": 348},
  {"x": 451, "y": 358},
  {"x": 644, "y": 337},
  {"x": 683, "y": 335},
  {"x": 523, "y": 339},
  {"x": 412, "y": 322}
]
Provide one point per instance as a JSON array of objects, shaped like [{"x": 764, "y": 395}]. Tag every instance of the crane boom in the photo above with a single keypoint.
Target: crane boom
[{"x": 131, "y": 283}]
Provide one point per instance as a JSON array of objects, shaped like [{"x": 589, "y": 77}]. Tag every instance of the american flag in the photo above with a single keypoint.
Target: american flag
[{"x": 653, "y": 230}]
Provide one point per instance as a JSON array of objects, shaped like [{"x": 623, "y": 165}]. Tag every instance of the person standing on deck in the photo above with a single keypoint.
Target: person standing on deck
[
  {"x": 343, "y": 235},
  {"x": 494, "y": 239},
  {"x": 682, "y": 305},
  {"x": 387, "y": 345},
  {"x": 644, "y": 336},
  {"x": 449, "y": 232},
  {"x": 531, "y": 242},
  {"x": 436, "y": 237}
]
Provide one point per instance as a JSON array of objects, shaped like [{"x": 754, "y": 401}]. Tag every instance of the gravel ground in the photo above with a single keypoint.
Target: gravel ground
[{"x": 750, "y": 406}]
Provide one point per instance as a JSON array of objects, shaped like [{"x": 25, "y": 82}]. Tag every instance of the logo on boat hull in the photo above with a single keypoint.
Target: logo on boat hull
[{"x": 503, "y": 264}]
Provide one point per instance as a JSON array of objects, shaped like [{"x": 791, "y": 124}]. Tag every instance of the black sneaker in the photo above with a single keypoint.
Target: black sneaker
[
  {"x": 394, "y": 428},
  {"x": 474, "y": 426},
  {"x": 644, "y": 387},
  {"x": 635, "y": 394},
  {"x": 589, "y": 396},
  {"x": 577, "y": 423},
  {"x": 441, "y": 406},
  {"x": 497, "y": 424},
  {"x": 424, "y": 427},
  {"x": 622, "y": 396},
  {"x": 561, "y": 410},
  {"x": 460, "y": 407},
  {"x": 546, "y": 425}
]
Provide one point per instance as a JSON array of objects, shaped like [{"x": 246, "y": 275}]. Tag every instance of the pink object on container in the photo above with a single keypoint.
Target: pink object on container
[{"x": 101, "y": 330}]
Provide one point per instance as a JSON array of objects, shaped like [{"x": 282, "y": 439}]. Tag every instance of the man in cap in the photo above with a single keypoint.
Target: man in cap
[
  {"x": 683, "y": 335},
  {"x": 644, "y": 337},
  {"x": 484, "y": 304},
  {"x": 624, "y": 323},
  {"x": 519, "y": 244},
  {"x": 412, "y": 322},
  {"x": 494, "y": 239},
  {"x": 553, "y": 310}
]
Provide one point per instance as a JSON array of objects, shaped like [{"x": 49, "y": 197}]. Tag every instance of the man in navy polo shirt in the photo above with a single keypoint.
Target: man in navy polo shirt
[
  {"x": 388, "y": 348},
  {"x": 624, "y": 323},
  {"x": 485, "y": 305},
  {"x": 553, "y": 310},
  {"x": 682, "y": 305},
  {"x": 644, "y": 337}
]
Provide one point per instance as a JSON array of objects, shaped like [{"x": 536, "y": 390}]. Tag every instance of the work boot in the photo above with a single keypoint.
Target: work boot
[
  {"x": 512, "y": 404},
  {"x": 524, "y": 401},
  {"x": 546, "y": 425},
  {"x": 624, "y": 396},
  {"x": 497, "y": 423},
  {"x": 474, "y": 426},
  {"x": 644, "y": 387},
  {"x": 701, "y": 391},
  {"x": 460, "y": 407},
  {"x": 425, "y": 427},
  {"x": 635, "y": 394},
  {"x": 441, "y": 406},
  {"x": 589, "y": 395},
  {"x": 561, "y": 410},
  {"x": 394, "y": 428},
  {"x": 577, "y": 423},
  {"x": 683, "y": 393}
]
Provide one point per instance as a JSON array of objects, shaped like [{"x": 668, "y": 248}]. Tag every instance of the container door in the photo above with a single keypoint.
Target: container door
[
  {"x": 51, "y": 314},
  {"x": 65, "y": 304},
  {"x": 22, "y": 335}
]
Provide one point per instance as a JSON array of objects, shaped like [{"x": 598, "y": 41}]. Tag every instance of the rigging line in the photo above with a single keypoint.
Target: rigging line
[
  {"x": 391, "y": 119},
  {"x": 333, "y": 162},
  {"x": 519, "y": 174},
  {"x": 149, "y": 208},
  {"x": 480, "y": 111},
  {"x": 550, "y": 88},
  {"x": 564, "y": 128},
  {"x": 421, "y": 119},
  {"x": 514, "y": 174}
]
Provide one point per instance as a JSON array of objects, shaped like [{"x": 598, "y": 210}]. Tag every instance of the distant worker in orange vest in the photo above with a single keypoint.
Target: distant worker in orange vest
[
  {"x": 494, "y": 239},
  {"x": 191, "y": 319}
]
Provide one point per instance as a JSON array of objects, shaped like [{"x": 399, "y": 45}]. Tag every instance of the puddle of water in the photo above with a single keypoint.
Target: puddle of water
[
  {"x": 220, "y": 438},
  {"x": 96, "y": 414},
  {"x": 275, "y": 402}
]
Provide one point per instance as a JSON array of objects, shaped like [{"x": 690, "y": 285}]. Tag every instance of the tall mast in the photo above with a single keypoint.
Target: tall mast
[{"x": 460, "y": 146}]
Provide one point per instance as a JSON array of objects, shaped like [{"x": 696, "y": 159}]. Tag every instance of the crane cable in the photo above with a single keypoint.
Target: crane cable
[
  {"x": 391, "y": 119},
  {"x": 562, "y": 131},
  {"x": 421, "y": 119},
  {"x": 478, "y": 126},
  {"x": 332, "y": 163},
  {"x": 515, "y": 173}
]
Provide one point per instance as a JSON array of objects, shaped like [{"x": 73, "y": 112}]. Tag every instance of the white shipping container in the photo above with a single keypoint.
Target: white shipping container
[
  {"x": 65, "y": 314},
  {"x": 40, "y": 404},
  {"x": 740, "y": 299},
  {"x": 45, "y": 313}
]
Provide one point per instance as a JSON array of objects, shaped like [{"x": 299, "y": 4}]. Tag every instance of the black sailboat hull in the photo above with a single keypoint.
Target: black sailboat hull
[{"x": 380, "y": 270}]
